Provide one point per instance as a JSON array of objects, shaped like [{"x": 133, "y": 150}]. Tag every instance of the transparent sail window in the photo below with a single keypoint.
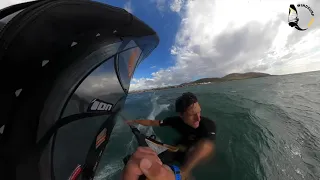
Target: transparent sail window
[{"x": 127, "y": 61}]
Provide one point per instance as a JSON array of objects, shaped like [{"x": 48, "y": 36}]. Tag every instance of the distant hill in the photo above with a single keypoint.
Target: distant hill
[
  {"x": 229, "y": 77},
  {"x": 247, "y": 75}
]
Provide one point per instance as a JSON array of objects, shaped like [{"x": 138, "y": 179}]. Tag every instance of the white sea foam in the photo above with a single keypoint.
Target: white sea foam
[
  {"x": 113, "y": 167},
  {"x": 156, "y": 110},
  {"x": 299, "y": 171}
]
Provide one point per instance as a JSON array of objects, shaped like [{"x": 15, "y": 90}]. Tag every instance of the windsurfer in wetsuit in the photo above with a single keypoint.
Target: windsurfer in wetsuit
[{"x": 197, "y": 134}]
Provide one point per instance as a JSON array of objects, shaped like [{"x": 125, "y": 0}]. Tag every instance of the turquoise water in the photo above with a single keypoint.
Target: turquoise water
[{"x": 267, "y": 128}]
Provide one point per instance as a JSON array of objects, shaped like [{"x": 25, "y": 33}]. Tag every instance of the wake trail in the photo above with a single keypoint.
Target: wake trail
[
  {"x": 113, "y": 166},
  {"x": 156, "y": 110}
]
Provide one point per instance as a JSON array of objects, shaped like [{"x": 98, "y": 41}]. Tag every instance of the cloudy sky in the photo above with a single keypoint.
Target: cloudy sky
[{"x": 212, "y": 38}]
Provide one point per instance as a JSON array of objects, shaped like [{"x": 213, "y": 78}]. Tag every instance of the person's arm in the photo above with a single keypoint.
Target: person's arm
[
  {"x": 203, "y": 150},
  {"x": 145, "y": 122}
]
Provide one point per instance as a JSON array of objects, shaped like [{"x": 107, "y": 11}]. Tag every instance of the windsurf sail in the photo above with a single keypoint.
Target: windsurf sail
[
  {"x": 82, "y": 61},
  {"x": 293, "y": 14},
  {"x": 293, "y": 18}
]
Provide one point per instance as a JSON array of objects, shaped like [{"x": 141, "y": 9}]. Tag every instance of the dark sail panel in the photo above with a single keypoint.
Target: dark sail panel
[{"x": 81, "y": 64}]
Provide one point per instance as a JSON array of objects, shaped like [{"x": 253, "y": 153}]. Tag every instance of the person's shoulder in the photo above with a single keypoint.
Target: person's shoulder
[
  {"x": 209, "y": 123},
  {"x": 170, "y": 121},
  {"x": 207, "y": 120},
  {"x": 172, "y": 118},
  {"x": 208, "y": 128}
]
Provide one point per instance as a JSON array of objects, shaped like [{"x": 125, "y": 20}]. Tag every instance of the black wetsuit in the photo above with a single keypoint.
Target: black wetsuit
[{"x": 189, "y": 136}]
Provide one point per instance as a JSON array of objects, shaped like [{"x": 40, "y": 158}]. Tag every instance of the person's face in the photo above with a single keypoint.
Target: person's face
[{"x": 192, "y": 115}]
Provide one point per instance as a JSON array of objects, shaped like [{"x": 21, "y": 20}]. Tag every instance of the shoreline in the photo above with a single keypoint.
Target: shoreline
[{"x": 229, "y": 77}]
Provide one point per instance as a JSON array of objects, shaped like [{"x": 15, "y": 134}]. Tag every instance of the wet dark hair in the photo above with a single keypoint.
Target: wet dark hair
[{"x": 184, "y": 101}]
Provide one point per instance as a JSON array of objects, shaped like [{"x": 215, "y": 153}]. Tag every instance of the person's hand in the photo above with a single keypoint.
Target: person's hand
[{"x": 146, "y": 161}]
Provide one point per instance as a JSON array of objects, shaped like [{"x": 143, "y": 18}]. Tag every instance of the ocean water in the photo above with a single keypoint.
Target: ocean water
[{"x": 267, "y": 128}]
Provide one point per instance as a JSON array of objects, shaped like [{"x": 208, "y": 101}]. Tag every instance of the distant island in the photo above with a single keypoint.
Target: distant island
[{"x": 229, "y": 77}]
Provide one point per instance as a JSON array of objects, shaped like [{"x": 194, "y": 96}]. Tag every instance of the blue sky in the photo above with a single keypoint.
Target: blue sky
[
  {"x": 164, "y": 22},
  {"x": 213, "y": 38}
]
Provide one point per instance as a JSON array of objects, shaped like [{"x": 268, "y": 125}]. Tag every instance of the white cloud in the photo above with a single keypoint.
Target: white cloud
[
  {"x": 160, "y": 4},
  {"x": 219, "y": 37},
  {"x": 152, "y": 67},
  {"x": 128, "y": 6},
  {"x": 176, "y": 5}
]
